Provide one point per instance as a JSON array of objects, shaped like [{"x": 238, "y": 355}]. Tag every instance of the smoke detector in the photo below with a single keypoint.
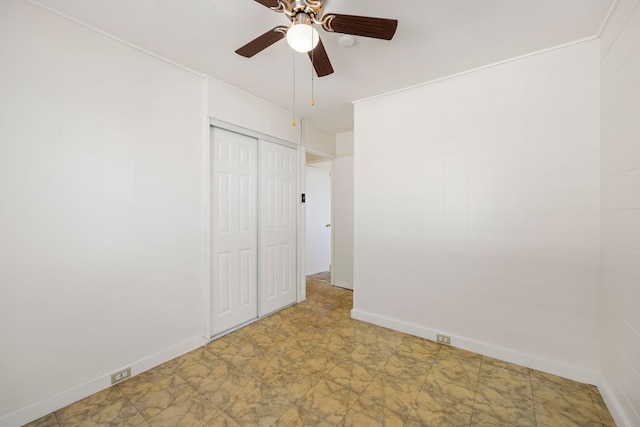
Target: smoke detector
[{"x": 346, "y": 40}]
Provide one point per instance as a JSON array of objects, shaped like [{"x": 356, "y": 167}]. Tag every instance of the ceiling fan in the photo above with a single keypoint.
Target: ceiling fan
[{"x": 303, "y": 37}]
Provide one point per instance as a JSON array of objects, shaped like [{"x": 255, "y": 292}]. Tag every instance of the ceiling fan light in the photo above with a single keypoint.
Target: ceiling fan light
[{"x": 302, "y": 37}]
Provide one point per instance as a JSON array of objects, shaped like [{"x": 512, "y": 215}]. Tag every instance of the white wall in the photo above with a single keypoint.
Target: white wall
[
  {"x": 232, "y": 105},
  {"x": 101, "y": 211},
  {"x": 620, "y": 115},
  {"x": 343, "y": 211},
  {"x": 318, "y": 140},
  {"x": 476, "y": 211},
  {"x": 344, "y": 144}
]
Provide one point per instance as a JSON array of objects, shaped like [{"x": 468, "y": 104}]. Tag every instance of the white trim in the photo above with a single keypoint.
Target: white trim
[
  {"x": 302, "y": 217},
  {"x": 329, "y": 158},
  {"x": 318, "y": 126},
  {"x": 250, "y": 133},
  {"x": 612, "y": 403},
  {"x": 531, "y": 361},
  {"x": 319, "y": 153},
  {"x": 206, "y": 213},
  {"x": 112, "y": 37},
  {"x": 60, "y": 400},
  {"x": 473, "y": 70},
  {"x": 259, "y": 227},
  {"x": 234, "y": 328},
  {"x": 603, "y": 55},
  {"x": 607, "y": 18},
  {"x": 333, "y": 223}
]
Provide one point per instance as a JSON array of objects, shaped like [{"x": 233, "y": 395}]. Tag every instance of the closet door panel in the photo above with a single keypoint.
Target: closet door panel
[
  {"x": 278, "y": 175},
  {"x": 234, "y": 230}
]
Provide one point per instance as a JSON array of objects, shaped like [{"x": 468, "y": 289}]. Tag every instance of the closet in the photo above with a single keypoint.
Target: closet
[{"x": 253, "y": 228}]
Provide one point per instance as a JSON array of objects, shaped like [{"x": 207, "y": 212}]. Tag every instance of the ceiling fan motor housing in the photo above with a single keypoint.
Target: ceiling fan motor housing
[{"x": 312, "y": 8}]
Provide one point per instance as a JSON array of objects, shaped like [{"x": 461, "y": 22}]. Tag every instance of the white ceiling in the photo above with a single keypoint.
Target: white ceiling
[{"x": 435, "y": 38}]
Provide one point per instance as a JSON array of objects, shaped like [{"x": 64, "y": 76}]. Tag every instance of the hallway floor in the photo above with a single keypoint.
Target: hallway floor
[{"x": 312, "y": 365}]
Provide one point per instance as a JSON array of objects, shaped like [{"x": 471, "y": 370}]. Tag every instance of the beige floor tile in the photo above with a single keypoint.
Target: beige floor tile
[
  {"x": 239, "y": 353},
  {"x": 199, "y": 374},
  {"x": 256, "y": 366},
  {"x": 259, "y": 407},
  {"x": 221, "y": 419},
  {"x": 170, "y": 391},
  {"x": 46, "y": 421},
  {"x": 393, "y": 393},
  {"x": 562, "y": 402},
  {"x": 339, "y": 346},
  {"x": 292, "y": 385},
  {"x": 328, "y": 401},
  {"x": 108, "y": 407},
  {"x": 420, "y": 349},
  {"x": 552, "y": 398},
  {"x": 436, "y": 411},
  {"x": 351, "y": 375},
  {"x": 223, "y": 390},
  {"x": 448, "y": 390},
  {"x": 374, "y": 360},
  {"x": 381, "y": 342},
  {"x": 466, "y": 358},
  {"x": 366, "y": 412},
  {"x": 495, "y": 416},
  {"x": 550, "y": 380},
  {"x": 196, "y": 410},
  {"x": 407, "y": 368},
  {"x": 317, "y": 362},
  {"x": 513, "y": 384},
  {"x": 549, "y": 417},
  {"x": 453, "y": 371},
  {"x": 200, "y": 356},
  {"x": 295, "y": 416},
  {"x": 499, "y": 406}
]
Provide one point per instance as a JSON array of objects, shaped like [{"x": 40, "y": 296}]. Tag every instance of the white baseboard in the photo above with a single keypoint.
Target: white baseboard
[
  {"x": 613, "y": 404},
  {"x": 64, "y": 398},
  {"x": 574, "y": 373}
]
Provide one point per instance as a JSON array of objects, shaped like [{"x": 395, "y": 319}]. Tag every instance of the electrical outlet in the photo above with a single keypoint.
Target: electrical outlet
[
  {"x": 444, "y": 339},
  {"x": 120, "y": 376}
]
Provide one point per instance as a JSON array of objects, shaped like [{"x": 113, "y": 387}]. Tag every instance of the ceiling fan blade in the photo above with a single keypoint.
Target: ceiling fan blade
[
  {"x": 379, "y": 28},
  {"x": 269, "y": 3},
  {"x": 320, "y": 60},
  {"x": 262, "y": 42}
]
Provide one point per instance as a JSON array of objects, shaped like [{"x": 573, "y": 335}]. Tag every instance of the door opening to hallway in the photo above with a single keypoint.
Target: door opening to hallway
[{"x": 318, "y": 214}]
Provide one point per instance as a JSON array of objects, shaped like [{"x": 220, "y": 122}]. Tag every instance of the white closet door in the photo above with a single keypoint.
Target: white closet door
[
  {"x": 234, "y": 298},
  {"x": 278, "y": 177}
]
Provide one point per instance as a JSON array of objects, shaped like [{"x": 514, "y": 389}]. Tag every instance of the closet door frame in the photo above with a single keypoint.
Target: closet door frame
[{"x": 209, "y": 244}]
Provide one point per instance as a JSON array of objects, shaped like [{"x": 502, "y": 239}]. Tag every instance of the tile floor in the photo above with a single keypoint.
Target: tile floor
[{"x": 312, "y": 365}]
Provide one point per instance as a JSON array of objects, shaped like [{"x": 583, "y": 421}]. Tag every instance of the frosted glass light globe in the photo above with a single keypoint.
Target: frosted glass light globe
[{"x": 302, "y": 37}]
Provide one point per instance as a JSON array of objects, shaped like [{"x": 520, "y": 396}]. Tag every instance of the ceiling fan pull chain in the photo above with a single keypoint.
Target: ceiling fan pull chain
[
  {"x": 313, "y": 100},
  {"x": 293, "y": 121}
]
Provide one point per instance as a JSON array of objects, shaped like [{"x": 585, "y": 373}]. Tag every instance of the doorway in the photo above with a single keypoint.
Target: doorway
[{"x": 318, "y": 215}]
